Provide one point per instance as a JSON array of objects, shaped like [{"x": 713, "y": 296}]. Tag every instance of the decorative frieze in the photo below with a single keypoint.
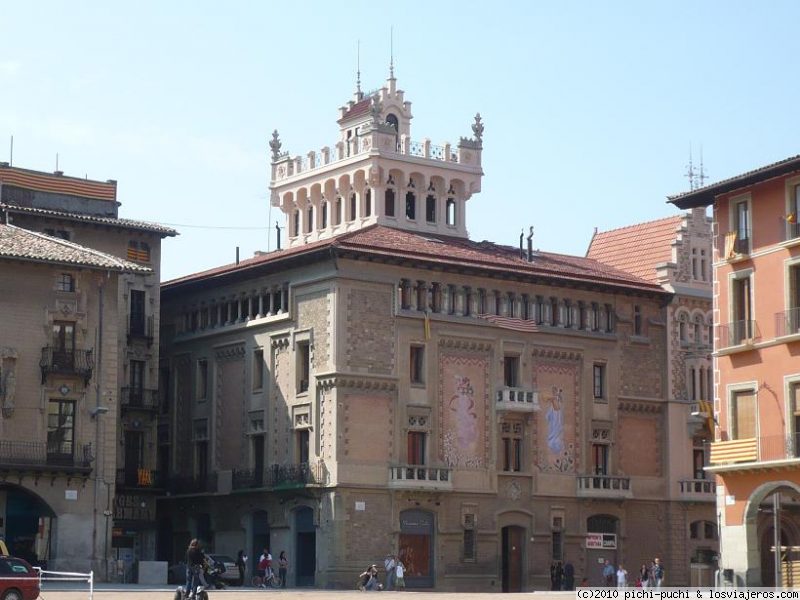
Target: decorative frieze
[
  {"x": 231, "y": 352},
  {"x": 360, "y": 382},
  {"x": 468, "y": 344},
  {"x": 557, "y": 354},
  {"x": 640, "y": 407}
]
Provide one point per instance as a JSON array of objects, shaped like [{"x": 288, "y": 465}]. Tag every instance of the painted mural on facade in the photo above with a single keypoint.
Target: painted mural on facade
[
  {"x": 556, "y": 420},
  {"x": 463, "y": 382}
]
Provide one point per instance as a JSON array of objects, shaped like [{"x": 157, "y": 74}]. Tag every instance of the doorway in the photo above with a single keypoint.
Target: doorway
[
  {"x": 416, "y": 548},
  {"x": 306, "y": 547},
  {"x": 513, "y": 538}
]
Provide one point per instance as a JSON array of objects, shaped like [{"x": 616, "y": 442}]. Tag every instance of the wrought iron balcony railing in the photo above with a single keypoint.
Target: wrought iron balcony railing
[
  {"x": 139, "y": 478},
  {"x": 42, "y": 456},
  {"x": 280, "y": 476},
  {"x": 177, "y": 485},
  {"x": 787, "y": 322},
  {"x": 140, "y": 327},
  {"x": 738, "y": 333},
  {"x": 792, "y": 231},
  {"x": 67, "y": 362},
  {"x": 139, "y": 399}
]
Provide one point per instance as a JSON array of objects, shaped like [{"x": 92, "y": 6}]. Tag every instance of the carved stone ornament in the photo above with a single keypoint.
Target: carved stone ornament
[
  {"x": 477, "y": 128},
  {"x": 275, "y": 146},
  {"x": 514, "y": 490},
  {"x": 376, "y": 108}
]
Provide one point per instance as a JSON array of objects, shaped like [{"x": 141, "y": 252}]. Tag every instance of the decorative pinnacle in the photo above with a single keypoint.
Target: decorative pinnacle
[
  {"x": 477, "y": 128},
  {"x": 376, "y": 108},
  {"x": 275, "y": 146}
]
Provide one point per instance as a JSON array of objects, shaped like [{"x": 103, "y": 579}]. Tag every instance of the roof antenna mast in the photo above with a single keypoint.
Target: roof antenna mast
[
  {"x": 391, "y": 52},
  {"x": 358, "y": 69}
]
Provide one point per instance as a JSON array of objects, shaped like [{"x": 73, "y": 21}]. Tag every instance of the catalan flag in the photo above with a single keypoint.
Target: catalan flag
[
  {"x": 427, "y": 326},
  {"x": 791, "y": 218}
]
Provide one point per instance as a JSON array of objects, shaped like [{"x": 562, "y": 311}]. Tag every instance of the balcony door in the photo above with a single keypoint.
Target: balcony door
[
  {"x": 134, "y": 456},
  {"x": 742, "y": 216},
  {"x": 64, "y": 345},
  {"x": 137, "y": 382},
  {"x": 742, "y": 327},
  {"x": 794, "y": 399},
  {"x": 60, "y": 431},
  {"x": 743, "y": 415},
  {"x": 513, "y": 540},
  {"x": 137, "y": 312}
]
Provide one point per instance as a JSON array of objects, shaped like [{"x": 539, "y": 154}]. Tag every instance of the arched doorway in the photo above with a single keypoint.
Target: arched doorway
[
  {"x": 27, "y": 524},
  {"x": 601, "y": 546},
  {"x": 260, "y": 535},
  {"x": 417, "y": 547},
  {"x": 512, "y": 558},
  {"x": 760, "y": 519},
  {"x": 305, "y": 547}
]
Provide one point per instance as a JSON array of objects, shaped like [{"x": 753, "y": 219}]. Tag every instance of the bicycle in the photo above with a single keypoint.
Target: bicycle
[{"x": 271, "y": 580}]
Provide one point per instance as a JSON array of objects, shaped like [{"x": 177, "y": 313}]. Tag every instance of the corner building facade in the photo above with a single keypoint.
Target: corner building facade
[{"x": 386, "y": 385}]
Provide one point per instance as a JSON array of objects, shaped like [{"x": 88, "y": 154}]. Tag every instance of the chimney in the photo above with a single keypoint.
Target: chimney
[
  {"x": 530, "y": 245},
  {"x": 521, "y": 251},
  {"x": 237, "y": 255},
  {"x": 278, "y": 230}
]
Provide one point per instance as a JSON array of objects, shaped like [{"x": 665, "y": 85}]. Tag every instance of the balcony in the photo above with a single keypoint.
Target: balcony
[
  {"x": 736, "y": 245},
  {"x": 604, "y": 486},
  {"x": 792, "y": 231},
  {"x": 750, "y": 451},
  {"x": 78, "y": 363},
  {"x": 43, "y": 457},
  {"x": 787, "y": 322},
  {"x": 420, "y": 477},
  {"x": 181, "y": 485},
  {"x": 280, "y": 477},
  {"x": 703, "y": 490},
  {"x": 138, "y": 478},
  {"x": 517, "y": 399},
  {"x": 141, "y": 328},
  {"x": 738, "y": 333},
  {"x": 139, "y": 399}
]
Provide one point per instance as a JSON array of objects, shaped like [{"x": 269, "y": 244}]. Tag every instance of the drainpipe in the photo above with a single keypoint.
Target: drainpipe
[{"x": 99, "y": 475}]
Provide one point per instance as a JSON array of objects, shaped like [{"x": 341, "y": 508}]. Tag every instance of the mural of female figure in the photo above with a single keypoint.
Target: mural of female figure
[
  {"x": 462, "y": 404},
  {"x": 555, "y": 422}
]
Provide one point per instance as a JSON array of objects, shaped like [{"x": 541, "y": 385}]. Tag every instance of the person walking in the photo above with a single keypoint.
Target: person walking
[
  {"x": 390, "y": 565},
  {"x": 569, "y": 576},
  {"x": 644, "y": 575},
  {"x": 622, "y": 576},
  {"x": 283, "y": 567},
  {"x": 658, "y": 573},
  {"x": 194, "y": 566},
  {"x": 608, "y": 574},
  {"x": 241, "y": 564},
  {"x": 399, "y": 576}
]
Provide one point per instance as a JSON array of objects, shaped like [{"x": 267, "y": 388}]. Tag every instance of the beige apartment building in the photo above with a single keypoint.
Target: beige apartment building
[
  {"x": 80, "y": 304},
  {"x": 387, "y": 385}
]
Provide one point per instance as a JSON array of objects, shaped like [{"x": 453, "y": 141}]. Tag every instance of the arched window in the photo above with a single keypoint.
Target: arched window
[
  {"x": 430, "y": 208},
  {"x": 310, "y": 219},
  {"x": 601, "y": 524},
  {"x": 388, "y": 202},
  {"x": 368, "y": 203},
  {"x": 411, "y": 206},
  {"x": 352, "y": 207},
  {"x": 391, "y": 119},
  {"x": 296, "y": 225},
  {"x": 698, "y": 329},
  {"x": 682, "y": 331},
  {"x": 324, "y": 214},
  {"x": 338, "y": 211},
  {"x": 451, "y": 211}
]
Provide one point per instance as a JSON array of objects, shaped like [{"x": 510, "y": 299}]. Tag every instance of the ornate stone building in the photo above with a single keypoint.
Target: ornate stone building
[
  {"x": 675, "y": 252},
  {"x": 386, "y": 384},
  {"x": 79, "y": 290}
]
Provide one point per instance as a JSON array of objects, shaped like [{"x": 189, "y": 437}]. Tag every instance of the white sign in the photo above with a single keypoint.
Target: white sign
[
  {"x": 730, "y": 500},
  {"x": 601, "y": 541},
  {"x": 70, "y": 494},
  {"x": 361, "y": 505}
]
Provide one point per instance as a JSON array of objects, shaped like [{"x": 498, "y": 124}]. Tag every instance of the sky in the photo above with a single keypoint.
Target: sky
[{"x": 590, "y": 108}]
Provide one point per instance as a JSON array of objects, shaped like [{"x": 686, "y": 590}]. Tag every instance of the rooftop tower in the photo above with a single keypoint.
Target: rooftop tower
[{"x": 376, "y": 173}]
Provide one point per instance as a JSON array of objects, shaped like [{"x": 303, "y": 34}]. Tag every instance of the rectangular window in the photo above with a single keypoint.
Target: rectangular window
[
  {"x": 302, "y": 445},
  {"x": 65, "y": 283},
  {"x": 742, "y": 327},
  {"x": 699, "y": 461},
  {"x": 60, "y": 431},
  {"x": 303, "y": 366},
  {"x": 258, "y": 369},
  {"x": 416, "y": 447},
  {"x": 599, "y": 381},
  {"x": 202, "y": 379},
  {"x": 137, "y": 382},
  {"x": 637, "y": 319},
  {"x": 742, "y": 227},
  {"x": 137, "y": 303},
  {"x": 743, "y": 415},
  {"x": 794, "y": 400},
  {"x": 430, "y": 209},
  {"x": 512, "y": 454},
  {"x": 469, "y": 544},
  {"x": 600, "y": 459},
  {"x": 417, "y": 365},
  {"x": 64, "y": 345},
  {"x": 511, "y": 371},
  {"x": 557, "y": 545}
]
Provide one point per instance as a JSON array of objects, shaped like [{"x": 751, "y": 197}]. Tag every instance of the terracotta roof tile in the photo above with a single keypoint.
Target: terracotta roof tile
[
  {"x": 22, "y": 244},
  {"x": 378, "y": 240},
  {"x": 359, "y": 108},
  {"x": 637, "y": 249},
  {"x": 126, "y": 223}
]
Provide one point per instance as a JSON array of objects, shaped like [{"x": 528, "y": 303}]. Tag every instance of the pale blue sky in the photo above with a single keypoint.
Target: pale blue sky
[{"x": 590, "y": 107}]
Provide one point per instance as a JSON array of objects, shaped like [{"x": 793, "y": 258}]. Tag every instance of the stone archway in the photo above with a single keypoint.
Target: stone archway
[
  {"x": 742, "y": 548},
  {"x": 28, "y": 523}
]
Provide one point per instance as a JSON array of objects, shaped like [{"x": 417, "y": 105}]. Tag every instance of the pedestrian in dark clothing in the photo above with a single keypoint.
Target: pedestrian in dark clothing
[
  {"x": 569, "y": 576},
  {"x": 241, "y": 562},
  {"x": 194, "y": 566}
]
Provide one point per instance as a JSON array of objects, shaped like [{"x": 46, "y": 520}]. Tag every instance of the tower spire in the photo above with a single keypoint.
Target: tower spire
[
  {"x": 358, "y": 69},
  {"x": 391, "y": 52}
]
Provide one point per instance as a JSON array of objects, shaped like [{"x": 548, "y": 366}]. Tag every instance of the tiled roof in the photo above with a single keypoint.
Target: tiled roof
[
  {"x": 359, "y": 108},
  {"x": 704, "y": 196},
  {"x": 115, "y": 222},
  {"x": 22, "y": 244},
  {"x": 58, "y": 183},
  {"x": 380, "y": 241},
  {"x": 638, "y": 248}
]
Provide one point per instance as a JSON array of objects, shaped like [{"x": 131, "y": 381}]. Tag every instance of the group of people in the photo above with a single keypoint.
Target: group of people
[
  {"x": 395, "y": 570},
  {"x": 562, "y": 576},
  {"x": 264, "y": 568},
  {"x": 651, "y": 575}
]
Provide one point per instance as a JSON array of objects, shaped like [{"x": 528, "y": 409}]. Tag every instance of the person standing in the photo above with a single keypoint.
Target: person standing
[
  {"x": 390, "y": 565},
  {"x": 569, "y": 576},
  {"x": 283, "y": 567},
  {"x": 194, "y": 566},
  {"x": 399, "y": 576},
  {"x": 644, "y": 575},
  {"x": 608, "y": 574},
  {"x": 622, "y": 576},
  {"x": 241, "y": 563},
  {"x": 658, "y": 572}
]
